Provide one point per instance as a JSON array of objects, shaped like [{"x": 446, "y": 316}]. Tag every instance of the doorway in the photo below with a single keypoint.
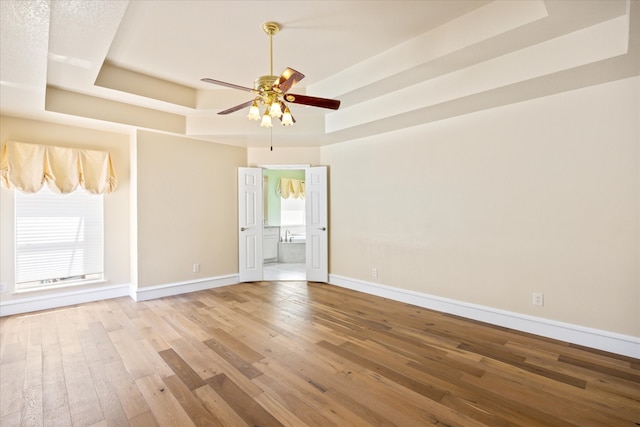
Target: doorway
[
  {"x": 251, "y": 224},
  {"x": 284, "y": 233}
]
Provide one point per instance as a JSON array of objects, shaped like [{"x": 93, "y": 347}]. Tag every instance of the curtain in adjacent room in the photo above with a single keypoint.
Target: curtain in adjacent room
[
  {"x": 28, "y": 166},
  {"x": 289, "y": 187}
]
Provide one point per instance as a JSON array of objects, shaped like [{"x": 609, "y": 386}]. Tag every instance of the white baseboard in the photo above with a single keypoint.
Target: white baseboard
[
  {"x": 177, "y": 288},
  {"x": 594, "y": 338},
  {"x": 61, "y": 299}
]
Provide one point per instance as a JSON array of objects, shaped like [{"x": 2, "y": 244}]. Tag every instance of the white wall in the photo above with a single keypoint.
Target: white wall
[{"x": 487, "y": 208}]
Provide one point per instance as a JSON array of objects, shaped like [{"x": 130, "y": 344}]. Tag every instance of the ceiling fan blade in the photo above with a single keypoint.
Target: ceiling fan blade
[
  {"x": 231, "y": 85},
  {"x": 332, "y": 104},
  {"x": 236, "y": 108},
  {"x": 288, "y": 78}
]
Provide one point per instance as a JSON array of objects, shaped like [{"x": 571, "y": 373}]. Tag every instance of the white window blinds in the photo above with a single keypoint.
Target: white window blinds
[{"x": 59, "y": 238}]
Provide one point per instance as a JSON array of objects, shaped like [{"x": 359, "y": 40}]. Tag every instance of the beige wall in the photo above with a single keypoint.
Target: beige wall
[
  {"x": 186, "y": 209},
  {"x": 540, "y": 196},
  {"x": 487, "y": 208},
  {"x": 116, "y": 204}
]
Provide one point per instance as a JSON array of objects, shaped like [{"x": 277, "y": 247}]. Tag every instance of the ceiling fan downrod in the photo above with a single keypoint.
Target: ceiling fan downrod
[{"x": 270, "y": 28}]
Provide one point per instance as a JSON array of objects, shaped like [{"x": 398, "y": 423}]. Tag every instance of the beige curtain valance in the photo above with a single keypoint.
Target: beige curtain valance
[
  {"x": 28, "y": 166},
  {"x": 289, "y": 187}
]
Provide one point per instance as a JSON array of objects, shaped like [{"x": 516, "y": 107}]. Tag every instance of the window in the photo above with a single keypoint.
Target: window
[
  {"x": 58, "y": 238},
  {"x": 292, "y": 211}
]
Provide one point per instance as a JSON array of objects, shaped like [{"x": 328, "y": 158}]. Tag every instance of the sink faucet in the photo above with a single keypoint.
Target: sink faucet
[{"x": 286, "y": 235}]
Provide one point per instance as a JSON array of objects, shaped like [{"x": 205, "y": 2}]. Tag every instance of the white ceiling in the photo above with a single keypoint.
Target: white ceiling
[{"x": 119, "y": 65}]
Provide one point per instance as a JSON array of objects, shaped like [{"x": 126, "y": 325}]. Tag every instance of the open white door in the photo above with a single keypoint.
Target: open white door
[
  {"x": 317, "y": 224},
  {"x": 250, "y": 214}
]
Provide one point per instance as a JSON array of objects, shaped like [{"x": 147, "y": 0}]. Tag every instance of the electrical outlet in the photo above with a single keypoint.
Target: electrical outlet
[
  {"x": 538, "y": 299},
  {"x": 374, "y": 272},
  {"x": 196, "y": 268}
]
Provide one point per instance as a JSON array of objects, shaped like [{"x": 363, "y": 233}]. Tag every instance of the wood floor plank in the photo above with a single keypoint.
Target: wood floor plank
[
  {"x": 49, "y": 330},
  {"x": 410, "y": 383},
  {"x": 138, "y": 355},
  {"x": 242, "y": 403},
  {"x": 187, "y": 375},
  {"x": 234, "y": 359},
  {"x": 146, "y": 419},
  {"x": 626, "y": 374},
  {"x": 215, "y": 404},
  {"x": 131, "y": 399},
  {"x": 197, "y": 356},
  {"x": 112, "y": 318},
  {"x": 155, "y": 340},
  {"x": 179, "y": 322},
  {"x": 98, "y": 334},
  {"x": 12, "y": 419},
  {"x": 324, "y": 374},
  {"x": 165, "y": 407},
  {"x": 128, "y": 307},
  {"x": 84, "y": 405},
  {"x": 157, "y": 322},
  {"x": 153, "y": 359},
  {"x": 12, "y": 387},
  {"x": 55, "y": 401},
  {"x": 191, "y": 404},
  {"x": 311, "y": 394},
  {"x": 416, "y": 405},
  {"x": 112, "y": 410},
  {"x": 290, "y": 402},
  {"x": 128, "y": 350},
  {"x": 518, "y": 361},
  {"x": 558, "y": 410},
  {"x": 237, "y": 346},
  {"x": 452, "y": 389},
  {"x": 275, "y": 406},
  {"x": 15, "y": 348},
  {"x": 67, "y": 332},
  {"x": 294, "y": 354},
  {"x": 32, "y": 409}
]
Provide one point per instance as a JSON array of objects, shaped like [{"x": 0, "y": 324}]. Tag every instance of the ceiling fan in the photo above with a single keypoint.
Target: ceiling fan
[{"x": 273, "y": 91}]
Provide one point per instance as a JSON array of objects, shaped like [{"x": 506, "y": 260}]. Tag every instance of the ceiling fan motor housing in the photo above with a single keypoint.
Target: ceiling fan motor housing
[
  {"x": 266, "y": 83},
  {"x": 265, "y": 86}
]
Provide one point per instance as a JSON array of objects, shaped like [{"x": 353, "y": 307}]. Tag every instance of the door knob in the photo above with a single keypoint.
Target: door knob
[
  {"x": 243, "y": 229},
  {"x": 323, "y": 229}
]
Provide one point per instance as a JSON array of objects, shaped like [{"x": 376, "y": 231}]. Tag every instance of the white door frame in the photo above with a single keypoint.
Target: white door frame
[{"x": 251, "y": 218}]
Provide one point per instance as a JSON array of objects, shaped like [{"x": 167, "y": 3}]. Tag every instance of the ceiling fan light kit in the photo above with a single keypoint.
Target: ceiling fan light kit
[{"x": 271, "y": 91}]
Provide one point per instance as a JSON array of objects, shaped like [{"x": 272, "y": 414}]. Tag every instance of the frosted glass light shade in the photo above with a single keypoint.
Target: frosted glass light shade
[{"x": 254, "y": 112}]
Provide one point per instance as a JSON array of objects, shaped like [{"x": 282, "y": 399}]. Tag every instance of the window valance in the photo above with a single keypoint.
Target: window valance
[
  {"x": 288, "y": 187},
  {"x": 28, "y": 166}
]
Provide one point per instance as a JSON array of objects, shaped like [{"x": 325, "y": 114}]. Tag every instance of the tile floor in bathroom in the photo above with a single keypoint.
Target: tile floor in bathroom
[{"x": 284, "y": 271}]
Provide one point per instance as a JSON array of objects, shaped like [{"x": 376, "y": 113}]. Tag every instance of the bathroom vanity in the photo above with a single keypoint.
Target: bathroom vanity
[{"x": 270, "y": 239}]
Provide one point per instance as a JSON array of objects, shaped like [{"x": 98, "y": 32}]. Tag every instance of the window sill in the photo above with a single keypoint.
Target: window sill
[{"x": 60, "y": 286}]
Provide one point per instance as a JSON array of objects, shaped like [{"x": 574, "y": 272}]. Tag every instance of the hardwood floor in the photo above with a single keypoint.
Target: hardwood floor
[{"x": 296, "y": 354}]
